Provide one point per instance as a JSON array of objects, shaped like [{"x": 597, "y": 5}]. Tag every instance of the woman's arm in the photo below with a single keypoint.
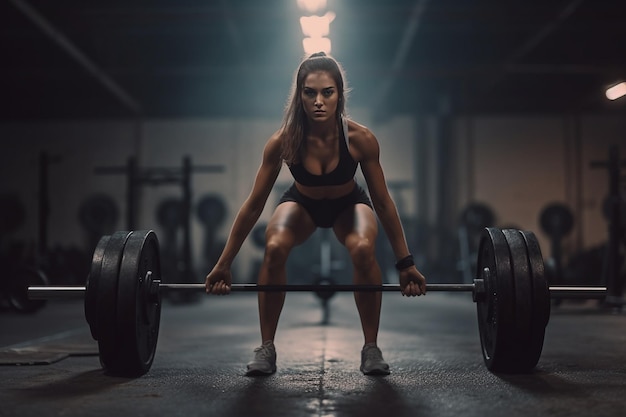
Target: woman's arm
[
  {"x": 368, "y": 151},
  {"x": 248, "y": 214}
]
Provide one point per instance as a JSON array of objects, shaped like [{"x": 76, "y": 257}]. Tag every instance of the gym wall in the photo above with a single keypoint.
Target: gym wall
[{"x": 516, "y": 165}]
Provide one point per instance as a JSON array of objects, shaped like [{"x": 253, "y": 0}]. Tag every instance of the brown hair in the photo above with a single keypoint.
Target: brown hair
[{"x": 295, "y": 121}]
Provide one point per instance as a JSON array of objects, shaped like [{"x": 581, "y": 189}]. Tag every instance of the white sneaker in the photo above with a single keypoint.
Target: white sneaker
[
  {"x": 372, "y": 362},
  {"x": 264, "y": 362}
]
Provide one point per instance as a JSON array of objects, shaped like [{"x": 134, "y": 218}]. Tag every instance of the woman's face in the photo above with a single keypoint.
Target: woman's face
[{"x": 320, "y": 96}]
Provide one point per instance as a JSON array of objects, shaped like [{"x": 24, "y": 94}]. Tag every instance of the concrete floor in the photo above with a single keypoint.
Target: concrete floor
[{"x": 431, "y": 343}]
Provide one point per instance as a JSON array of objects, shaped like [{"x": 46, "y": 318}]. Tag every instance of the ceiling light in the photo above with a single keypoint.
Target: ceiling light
[
  {"x": 617, "y": 91},
  {"x": 312, "y": 6},
  {"x": 316, "y": 26},
  {"x": 313, "y": 45}
]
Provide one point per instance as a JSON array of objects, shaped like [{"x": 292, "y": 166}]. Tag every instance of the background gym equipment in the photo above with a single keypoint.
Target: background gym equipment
[
  {"x": 156, "y": 176},
  {"x": 122, "y": 299},
  {"x": 35, "y": 263},
  {"x": 61, "y": 264},
  {"x": 556, "y": 221},
  {"x": 323, "y": 278},
  {"x": 174, "y": 214},
  {"x": 473, "y": 219},
  {"x": 98, "y": 215},
  {"x": 17, "y": 274},
  {"x": 616, "y": 227},
  {"x": 211, "y": 211},
  {"x": 13, "y": 286}
]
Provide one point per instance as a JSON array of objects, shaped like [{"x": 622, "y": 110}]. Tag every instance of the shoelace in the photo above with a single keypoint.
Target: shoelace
[
  {"x": 263, "y": 352},
  {"x": 373, "y": 353}
]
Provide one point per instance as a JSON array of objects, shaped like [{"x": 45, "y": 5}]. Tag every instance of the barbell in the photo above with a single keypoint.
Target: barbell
[{"x": 122, "y": 299}]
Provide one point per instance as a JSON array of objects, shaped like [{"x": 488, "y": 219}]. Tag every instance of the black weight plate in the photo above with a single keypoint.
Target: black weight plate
[
  {"x": 91, "y": 287},
  {"x": 556, "y": 220},
  {"x": 477, "y": 216},
  {"x": 106, "y": 298},
  {"x": 495, "y": 311},
  {"x": 324, "y": 295},
  {"x": 138, "y": 313},
  {"x": 170, "y": 213},
  {"x": 211, "y": 210},
  {"x": 522, "y": 302},
  {"x": 22, "y": 278},
  {"x": 98, "y": 213},
  {"x": 541, "y": 298}
]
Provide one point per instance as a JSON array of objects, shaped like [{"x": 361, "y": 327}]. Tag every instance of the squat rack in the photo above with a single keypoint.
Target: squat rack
[{"x": 137, "y": 177}]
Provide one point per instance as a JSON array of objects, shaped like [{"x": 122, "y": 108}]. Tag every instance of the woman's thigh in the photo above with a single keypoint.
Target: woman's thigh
[
  {"x": 355, "y": 223},
  {"x": 290, "y": 224}
]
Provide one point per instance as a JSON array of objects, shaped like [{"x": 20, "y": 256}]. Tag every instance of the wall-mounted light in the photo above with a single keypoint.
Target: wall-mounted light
[{"x": 616, "y": 91}]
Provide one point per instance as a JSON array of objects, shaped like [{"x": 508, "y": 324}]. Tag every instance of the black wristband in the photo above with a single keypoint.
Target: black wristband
[{"x": 405, "y": 262}]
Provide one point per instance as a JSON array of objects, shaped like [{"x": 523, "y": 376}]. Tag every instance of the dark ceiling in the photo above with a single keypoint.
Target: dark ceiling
[{"x": 193, "y": 58}]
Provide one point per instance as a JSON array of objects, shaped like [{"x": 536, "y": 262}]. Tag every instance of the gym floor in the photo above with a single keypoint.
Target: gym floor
[{"x": 431, "y": 343}]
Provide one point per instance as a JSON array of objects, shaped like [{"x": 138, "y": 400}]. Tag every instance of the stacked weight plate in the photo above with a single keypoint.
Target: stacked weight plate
[
  {"x": 122, "y": 301},
  {"x": 513, "y": 314}
]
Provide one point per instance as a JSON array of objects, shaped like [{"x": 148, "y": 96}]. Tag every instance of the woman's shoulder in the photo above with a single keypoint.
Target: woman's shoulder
[
  {"x": 273, "y": 145},
  {"x": 358, "y": 133},
  {"x": 277, "y": 136},
  {"x": 363, "y": 143}
]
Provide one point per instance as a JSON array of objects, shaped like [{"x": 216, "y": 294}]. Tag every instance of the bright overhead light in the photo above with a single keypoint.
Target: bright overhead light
[
  {"x": 316, "y": 26},
  {"x": 312, "y": 6},
  {"x": 617, "y": 91},
  {"x": 313, "y": 45}
]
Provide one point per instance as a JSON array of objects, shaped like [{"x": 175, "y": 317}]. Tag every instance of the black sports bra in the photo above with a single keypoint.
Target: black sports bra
[{"x": 343, "y": 172}]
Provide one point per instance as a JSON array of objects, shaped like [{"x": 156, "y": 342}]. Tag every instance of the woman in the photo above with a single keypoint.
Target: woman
[{"x": 322, "y": 150}]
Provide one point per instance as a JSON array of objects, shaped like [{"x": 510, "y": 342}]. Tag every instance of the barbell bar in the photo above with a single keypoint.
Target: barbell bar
[
  {"x": 122, "y": 299},
  {"x": 560, "y": 292}
]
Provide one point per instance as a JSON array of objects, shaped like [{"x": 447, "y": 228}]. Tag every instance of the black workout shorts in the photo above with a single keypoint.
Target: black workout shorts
[{"x": 324, "y": 212}]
